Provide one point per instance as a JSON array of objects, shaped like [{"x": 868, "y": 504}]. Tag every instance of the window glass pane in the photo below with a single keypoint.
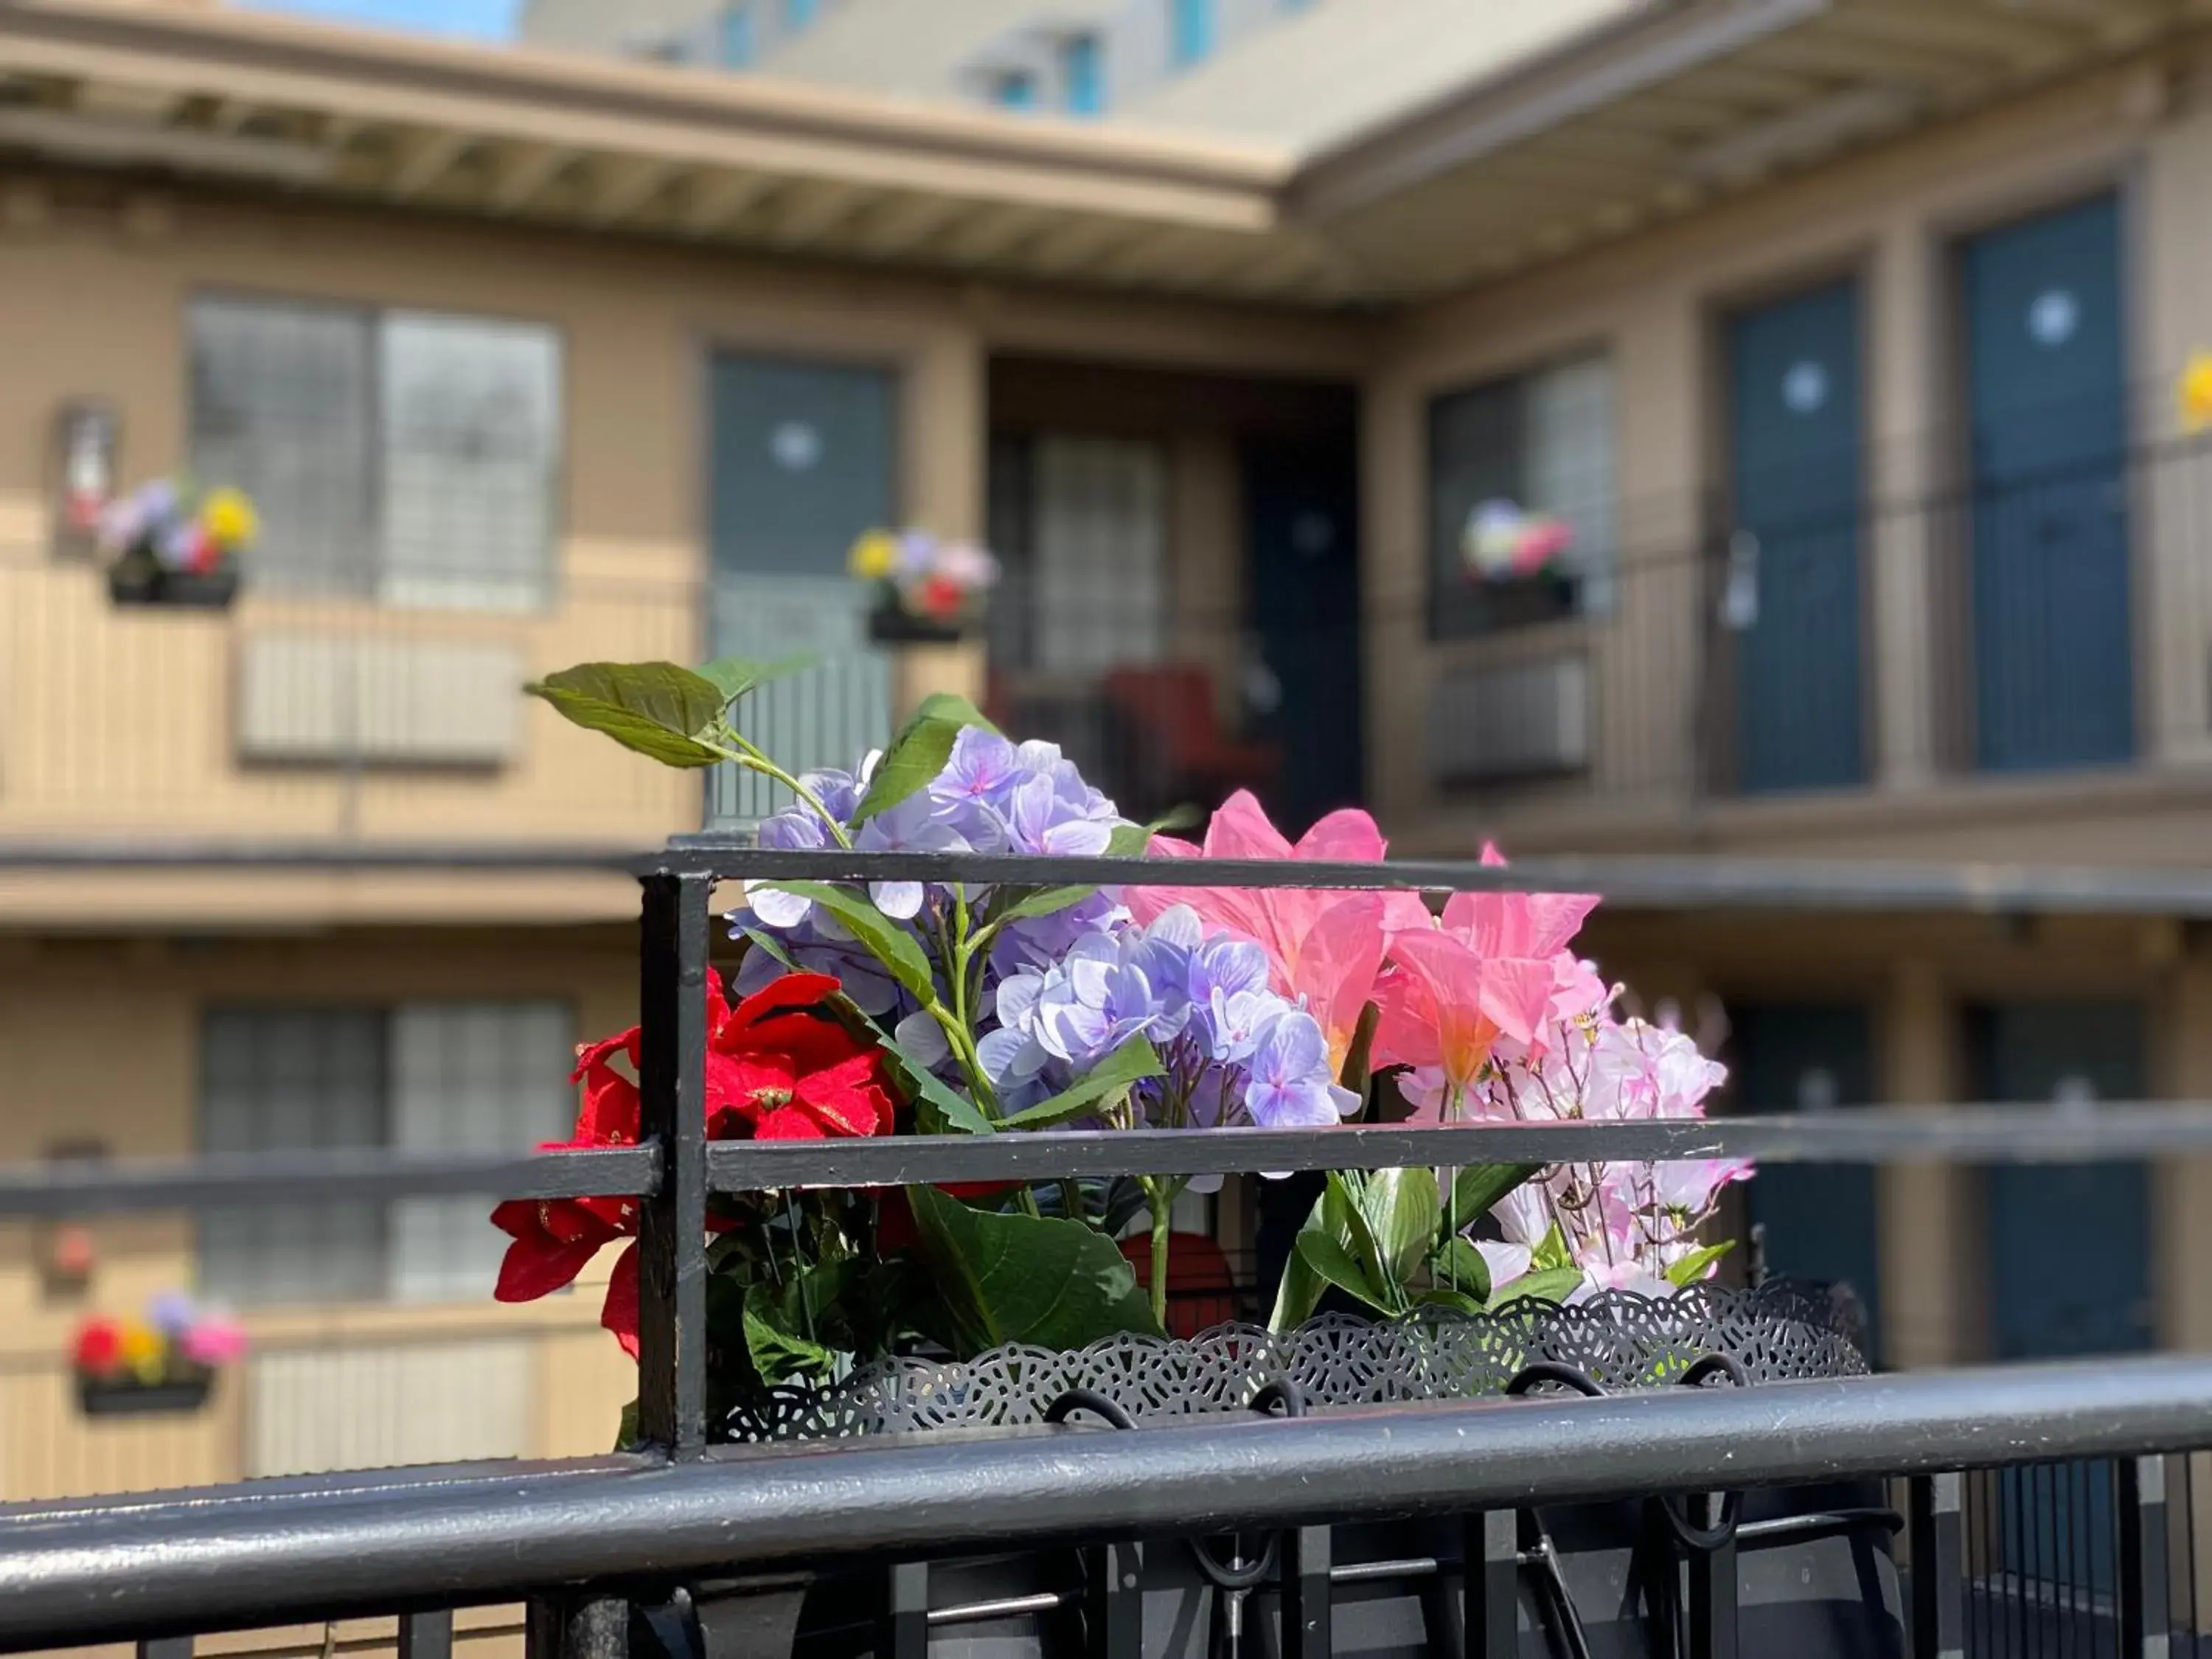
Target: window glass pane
[
  {"x": 471, "y": 413},
  {"x": 1190, "y": 31},
  {"x": 470, "y": 1076},
  {"x": 1475, "y": 456},
  {"x": 736, "y": 46},
  {"x": 1543, "y": 441},
  {"x": 1100, "y": 553},
  {"x": 280, "y": 409},
  {"x": 1082, "y": 73},
  {"x": 293, "y": 1079},
  {"x": 1570, "y": 466}
]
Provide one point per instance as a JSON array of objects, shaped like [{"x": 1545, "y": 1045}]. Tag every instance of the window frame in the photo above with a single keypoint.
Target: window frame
[
  {"x": 365, "y": 581},
  {"x": 1457, "y": 611}
]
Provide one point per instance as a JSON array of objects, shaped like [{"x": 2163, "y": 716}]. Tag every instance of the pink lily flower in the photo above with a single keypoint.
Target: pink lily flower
[{"x": 1322, "y": 946}]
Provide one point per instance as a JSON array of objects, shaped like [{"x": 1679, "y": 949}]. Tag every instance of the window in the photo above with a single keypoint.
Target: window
[
  {"x": 404, "y": 456},
  {"x": 799, "y": 15},
  {"x": 1082, "y": 75},
  {"x": 1542, "y": 442},
  {"x": 1190, "y": 31},
  {"x": 421, "y": 1077},
  {"x": 735, "y": 45},
  {"x": 1014, "y": 89}
]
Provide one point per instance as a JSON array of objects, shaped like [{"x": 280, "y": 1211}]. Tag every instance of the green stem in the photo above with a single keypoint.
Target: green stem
[
  {"x": 1160, "y": 1215},
  {"x": 1071, "y": 1199},
  {"x": 748, "y": 755}
]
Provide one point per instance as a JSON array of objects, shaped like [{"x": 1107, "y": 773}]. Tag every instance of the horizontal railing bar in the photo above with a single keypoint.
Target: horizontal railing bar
[
  {"x": 1684, "y": 882},
  {"x": 86, "y": 1572},
  {"x": 1961, "y": 1135},
  {"x": 1656, "y": 881},
  {"x": 72, "y": 1187}
]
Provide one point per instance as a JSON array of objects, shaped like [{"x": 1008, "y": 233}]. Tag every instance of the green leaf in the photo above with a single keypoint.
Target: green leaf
[
  {"x": 1460, "y": 1266},
  {"x": 958, "y": 1111},
  {"x": 1332, "y": 1262},
  {"x": 888, "y": 942},
  {"x": 1300, "y": 1291},
  {"x": 919, "y": 752},
  {"x": 1545, "y": 1284},
  {"x": 1402, "y": 1209},
  {"x": 735, "y": 675},
  {"x": 1129, "y": 840},
  {"x": 777, "y": 1318},
  {"x": 1011, "y": 1278},
  {"x": 626, "y": 1437},
  {"x": 1691, "y": 1267},
  {"x": 656, "y": 708},
  {"x": 1134, "y": 1059},
  {"x": 1045, "y": 902},
  {"x": 1479, "y": 1186},
  {"x": 1552, "y": 1252},
  {"x": 1457, "y": 1301},
  {"x": 1348, "y": 1225}
]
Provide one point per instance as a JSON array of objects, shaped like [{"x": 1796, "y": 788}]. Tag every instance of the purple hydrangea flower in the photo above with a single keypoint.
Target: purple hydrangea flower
[{"x": 1290, "y": 1085}]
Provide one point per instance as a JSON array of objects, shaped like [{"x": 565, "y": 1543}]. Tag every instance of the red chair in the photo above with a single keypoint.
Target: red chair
[
  {"x": 1169, "y": 710},
  {"x": 1202, "y": 1287}
]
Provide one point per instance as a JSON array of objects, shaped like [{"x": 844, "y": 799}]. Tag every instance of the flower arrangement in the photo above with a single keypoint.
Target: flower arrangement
[
  {"x": 1503, "y": 543},
  {"x": 861, "y": 1010},
  {"x": 166, "y": 541},
  {"x": 928, "y": 587},
  {"x": 164, "y": 1361}
]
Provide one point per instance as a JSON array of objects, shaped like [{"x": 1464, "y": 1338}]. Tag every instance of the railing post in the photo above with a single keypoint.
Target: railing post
[
  {"x": 165, "y": 1647},
  {"x": 672, "y": 1235},
  {"x": 2146, "y": 1618},
  {"x": 1491, "y": 1549},
  {"x": 1306, "y": 1610},
  {"x": 905, "y": 1612},
  {"x": 427, "y": 1635},
  {"x": 1713, "y": 1591},
  {"x": 1938, "y": 1538},
  {"x": 1113, "y": 1606}
]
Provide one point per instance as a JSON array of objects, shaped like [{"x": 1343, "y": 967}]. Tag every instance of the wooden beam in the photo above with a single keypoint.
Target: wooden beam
[
  {"x": 815, "y": 208},
  {"x": 628, "y": 186},
  {"x": 423, "y": 159},
  {"x": 527, "y": 171},
  {"x": 715, "y": 199},
  {"x": 906, "y": 225}
]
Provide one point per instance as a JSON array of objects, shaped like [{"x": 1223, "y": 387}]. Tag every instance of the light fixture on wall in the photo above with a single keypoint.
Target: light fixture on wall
[{"x": 85, "y": 441}]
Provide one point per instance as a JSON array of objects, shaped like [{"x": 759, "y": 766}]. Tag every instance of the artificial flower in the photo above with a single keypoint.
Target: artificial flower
[{"x": 1323, "y": 947}]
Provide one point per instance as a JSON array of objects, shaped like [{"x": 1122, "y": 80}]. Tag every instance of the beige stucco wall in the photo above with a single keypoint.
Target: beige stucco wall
[
  {"x": 121, "y": 723},
  {"x": 1654, "y": 302},
  {"x": 101, "y": 1035}
]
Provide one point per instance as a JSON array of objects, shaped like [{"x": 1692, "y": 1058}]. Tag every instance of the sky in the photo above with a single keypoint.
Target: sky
[{"x": 491, "y": 20}]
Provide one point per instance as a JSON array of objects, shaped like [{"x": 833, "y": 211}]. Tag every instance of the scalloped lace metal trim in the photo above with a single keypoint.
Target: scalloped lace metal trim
[{"x": 1778, "y": 1332}]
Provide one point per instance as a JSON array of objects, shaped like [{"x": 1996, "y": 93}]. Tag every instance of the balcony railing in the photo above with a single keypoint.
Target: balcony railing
[{"x": 2044, "y": 1510}]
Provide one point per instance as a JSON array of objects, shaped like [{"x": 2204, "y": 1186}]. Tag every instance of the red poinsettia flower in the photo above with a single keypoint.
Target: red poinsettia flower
[
  {"x": 942, "y": 597},
  {"x": 778, "y": 1068}
]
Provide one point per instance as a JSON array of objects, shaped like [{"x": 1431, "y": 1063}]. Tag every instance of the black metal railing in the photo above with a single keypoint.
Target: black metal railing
[{"x": 600, "y": 1546}]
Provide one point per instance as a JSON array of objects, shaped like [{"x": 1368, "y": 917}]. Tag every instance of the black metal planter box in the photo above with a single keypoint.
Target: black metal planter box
[
  {"x": 139, "y": 583},
  {"x": 1813, "y": 1574},
  {"x": 892, "y": 624},
  {"x": 110, "y": 1397}
]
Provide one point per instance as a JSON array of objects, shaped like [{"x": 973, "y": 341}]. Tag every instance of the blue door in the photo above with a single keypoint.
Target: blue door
[
  {"x": 1794, "y": 380},
  {"x": 2068, "y": 1253},
  {"x": 1819, "y": 1221},
  {"x": 2047, "y": 413},
  {"x": 1302, "y": 520},
  {"x": 804, "y": 460}
]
